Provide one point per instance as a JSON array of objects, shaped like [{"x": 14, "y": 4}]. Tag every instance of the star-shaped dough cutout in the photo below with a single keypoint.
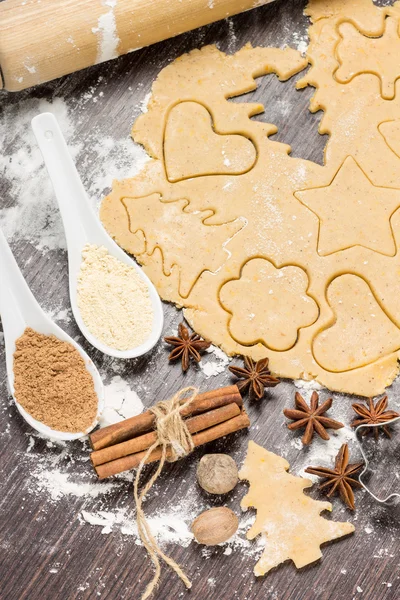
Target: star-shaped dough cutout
[{"x": 352, "y": 211}]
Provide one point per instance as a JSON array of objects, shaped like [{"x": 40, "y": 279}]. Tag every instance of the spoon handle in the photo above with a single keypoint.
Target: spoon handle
[
  {"x": 17, "y": 303},
  {"x": 82, "y": 226},
  {"x": 77, "y": 215}
]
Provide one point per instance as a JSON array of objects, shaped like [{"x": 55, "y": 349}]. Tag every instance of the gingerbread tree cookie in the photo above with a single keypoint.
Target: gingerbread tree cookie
[{"x": 290, "y": 521}]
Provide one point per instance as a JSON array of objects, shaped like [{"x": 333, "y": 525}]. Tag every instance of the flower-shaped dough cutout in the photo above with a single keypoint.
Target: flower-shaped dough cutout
[
  {"x": 357, "y": 315},
  {"x": 268, "y": 305},
  {"x": 362, "y": 220},
  {"x": 192, "y": 147},
  {"x": 358, "y": 54}
]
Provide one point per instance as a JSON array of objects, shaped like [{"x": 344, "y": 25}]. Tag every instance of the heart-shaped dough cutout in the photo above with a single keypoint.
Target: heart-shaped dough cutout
[
  {"x": 192, "y": 147},
  {"x": 358, "y": 317}
]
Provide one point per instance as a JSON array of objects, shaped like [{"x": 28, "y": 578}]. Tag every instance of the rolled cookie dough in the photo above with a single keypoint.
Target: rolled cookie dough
[{"x": 272, "y": 255}]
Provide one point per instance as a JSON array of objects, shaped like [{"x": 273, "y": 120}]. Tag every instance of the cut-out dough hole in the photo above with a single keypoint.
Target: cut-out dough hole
[{"x": 287, "y": 108}]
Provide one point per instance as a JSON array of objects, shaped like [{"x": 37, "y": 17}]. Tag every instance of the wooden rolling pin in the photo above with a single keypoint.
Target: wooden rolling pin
[{"x": 41, "y": 40}]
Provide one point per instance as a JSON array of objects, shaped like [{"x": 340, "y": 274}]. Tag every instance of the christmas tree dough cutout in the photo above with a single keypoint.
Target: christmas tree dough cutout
[
  {"x": 176, "y": 245},
  {"x": 290, "y": 520}
]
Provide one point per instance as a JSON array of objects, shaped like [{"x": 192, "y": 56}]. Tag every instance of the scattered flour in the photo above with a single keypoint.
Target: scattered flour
[
  {"x": 28, "y": 210},
  {"x": 105, "y": 519},
  {"x": 324, "y": 452},
  {"x": 368, "y": 529},
  {"x": 33, "y": 215},
  {"x": 297, "y": 443},
  {"x": 172, "y": 526},
  {"x": 64, "y": 314},
  {"x": 59, "y": 484},
  {"x": 232, "y": 37},
  {"x": 31, "y": 443},
  {"x": 169, "y": 527},
  {"x": 300, "y": 41},
  {"x": 145, "y": 103},
  {"x": 61, "y": 470},
  {"x": 211, "y": 368},
  {"x": 120, "y": 402},
  {"x": 302, "y": 47},
  {"x": 106, "y": 31},
  {"x": 305, "y": 386}
]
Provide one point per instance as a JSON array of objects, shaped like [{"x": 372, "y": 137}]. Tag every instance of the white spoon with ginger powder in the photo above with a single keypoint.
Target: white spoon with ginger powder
[
  {"x": 114, "y": 303},
  {"x": 20, "y": 313}
]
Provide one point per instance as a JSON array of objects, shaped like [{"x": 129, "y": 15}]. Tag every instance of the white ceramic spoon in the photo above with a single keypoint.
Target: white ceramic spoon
[
  {"x": 82, "y": 226},
  {"x": 19, "y": 309}
]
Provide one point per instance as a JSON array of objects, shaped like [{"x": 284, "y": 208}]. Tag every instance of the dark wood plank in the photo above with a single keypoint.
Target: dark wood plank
[{"x": 45, "y": 551}]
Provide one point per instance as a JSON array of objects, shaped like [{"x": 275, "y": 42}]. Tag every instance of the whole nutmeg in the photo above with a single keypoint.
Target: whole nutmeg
[
  {"x": 217, "y": 473},
  {"x": 215, "y": 526}
]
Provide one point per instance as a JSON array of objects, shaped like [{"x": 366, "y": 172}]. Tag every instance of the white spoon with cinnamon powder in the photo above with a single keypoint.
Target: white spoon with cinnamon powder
[
  {"x": 111, "y": 316},
  {"x": 20, "y": 311}
]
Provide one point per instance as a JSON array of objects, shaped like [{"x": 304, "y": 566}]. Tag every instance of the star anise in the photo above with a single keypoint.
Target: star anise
[
  {"x": 311, "y": 417},
  {"x": 374, "y": 414},
  {"x": 255, "y": 376},
  {"x": 186, "y": 346},
  {"x": 341, "y": 478}
]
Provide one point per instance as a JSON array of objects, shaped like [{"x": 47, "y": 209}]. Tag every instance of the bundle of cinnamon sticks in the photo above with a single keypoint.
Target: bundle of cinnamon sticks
[{"x": 211, "y": 415}]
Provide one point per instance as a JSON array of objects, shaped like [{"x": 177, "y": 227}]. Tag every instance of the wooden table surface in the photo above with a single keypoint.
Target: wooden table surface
[{"x": 46, "y": 551}]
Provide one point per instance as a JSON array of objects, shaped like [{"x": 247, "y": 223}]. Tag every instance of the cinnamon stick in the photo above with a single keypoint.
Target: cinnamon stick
[
  {"x": 203, "y": 437},
  {"x": 130, "y": 428},
  {"x": 194, "y": 425}
]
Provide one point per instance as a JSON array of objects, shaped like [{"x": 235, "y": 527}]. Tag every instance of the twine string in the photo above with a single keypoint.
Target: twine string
[{"x": 176, "y": 442}]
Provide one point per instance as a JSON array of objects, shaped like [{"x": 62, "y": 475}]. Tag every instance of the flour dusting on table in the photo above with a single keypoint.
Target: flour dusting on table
[
  {"x": 29, "y": 210},
  {"x": 121, "y": 402},
  {"x": 211, "y": 368}
]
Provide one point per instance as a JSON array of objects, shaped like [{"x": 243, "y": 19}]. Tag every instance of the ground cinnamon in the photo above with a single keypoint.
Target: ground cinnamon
[{"x": 52, "y": 384}]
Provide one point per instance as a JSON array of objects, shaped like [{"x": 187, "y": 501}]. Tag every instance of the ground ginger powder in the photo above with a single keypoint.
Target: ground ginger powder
[
  {"x": 113, "y": 300},
  {"x": 52, "y": 383}
]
